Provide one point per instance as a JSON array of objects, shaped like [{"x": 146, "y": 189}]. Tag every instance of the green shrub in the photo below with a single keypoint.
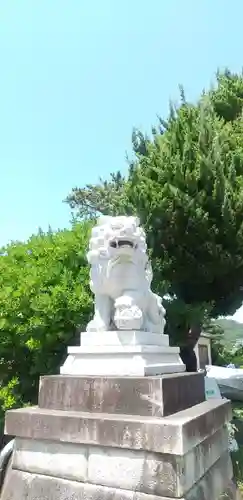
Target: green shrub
[{"x": 44, "y": 297}]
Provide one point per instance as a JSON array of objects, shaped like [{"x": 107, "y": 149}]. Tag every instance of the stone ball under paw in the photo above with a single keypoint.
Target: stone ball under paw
[{"x": 128, "y": 318}]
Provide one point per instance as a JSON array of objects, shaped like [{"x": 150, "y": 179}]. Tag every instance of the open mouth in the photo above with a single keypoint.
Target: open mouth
[{"x": 122, "y": 243}]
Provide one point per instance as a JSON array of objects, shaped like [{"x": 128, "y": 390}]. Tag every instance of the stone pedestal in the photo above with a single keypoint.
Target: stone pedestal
[
  {"x": 122, "y": 353},
  {"x": 120, "y": 438}
]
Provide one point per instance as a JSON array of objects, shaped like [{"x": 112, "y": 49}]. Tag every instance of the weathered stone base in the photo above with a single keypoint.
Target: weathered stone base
[
  {"x": 120, "y": 438},
  {"x": 30, "y": 486},
  {"x": 136, "y": 470},
  {"x": 144, "y": 396},
  {"x": 175, "y": 435},
  {"x": 183, "y": 455}
]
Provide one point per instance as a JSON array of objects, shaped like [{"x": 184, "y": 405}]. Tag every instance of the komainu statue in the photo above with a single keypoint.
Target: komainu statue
[{"x": 121, "y": 277}]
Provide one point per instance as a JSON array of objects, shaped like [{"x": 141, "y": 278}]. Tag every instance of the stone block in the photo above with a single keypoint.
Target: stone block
[
  {"x": 176, "y": 434},
  {"x": 144, "y": 396},
  {"x": 123, "y": 338},
  {"x": 50, "y": 458},
  {"x": 215, "y": 482},
  {"x": 152, "y": 473},
  {"x": 122, "y": 361},
  {"x": 26, "y": 486}
]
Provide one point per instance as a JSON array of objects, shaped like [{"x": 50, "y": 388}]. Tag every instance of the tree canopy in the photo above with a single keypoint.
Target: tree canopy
[
  {"x": 185, "y": 183},
  {"x": 44, "y": 296}
]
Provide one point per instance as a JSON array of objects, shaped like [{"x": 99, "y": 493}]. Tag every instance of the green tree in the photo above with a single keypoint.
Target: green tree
[
  {"x": 44, "y": 296},
  {"x": 186, "y": 185}
]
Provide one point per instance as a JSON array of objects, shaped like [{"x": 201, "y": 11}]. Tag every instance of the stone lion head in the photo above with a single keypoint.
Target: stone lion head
[{"x": 115, "y": 237}]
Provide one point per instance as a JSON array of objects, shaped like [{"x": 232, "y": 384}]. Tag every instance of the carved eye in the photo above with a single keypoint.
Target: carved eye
[{"x": 113, "y": 244}]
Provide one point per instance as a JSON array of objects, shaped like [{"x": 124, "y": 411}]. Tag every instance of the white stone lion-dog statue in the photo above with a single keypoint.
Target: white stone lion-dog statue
[{"x": 120, "y": 278}]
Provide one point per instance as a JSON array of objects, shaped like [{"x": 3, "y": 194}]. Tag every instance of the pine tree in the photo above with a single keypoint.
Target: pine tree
[{"x": 186, "y": 185}]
